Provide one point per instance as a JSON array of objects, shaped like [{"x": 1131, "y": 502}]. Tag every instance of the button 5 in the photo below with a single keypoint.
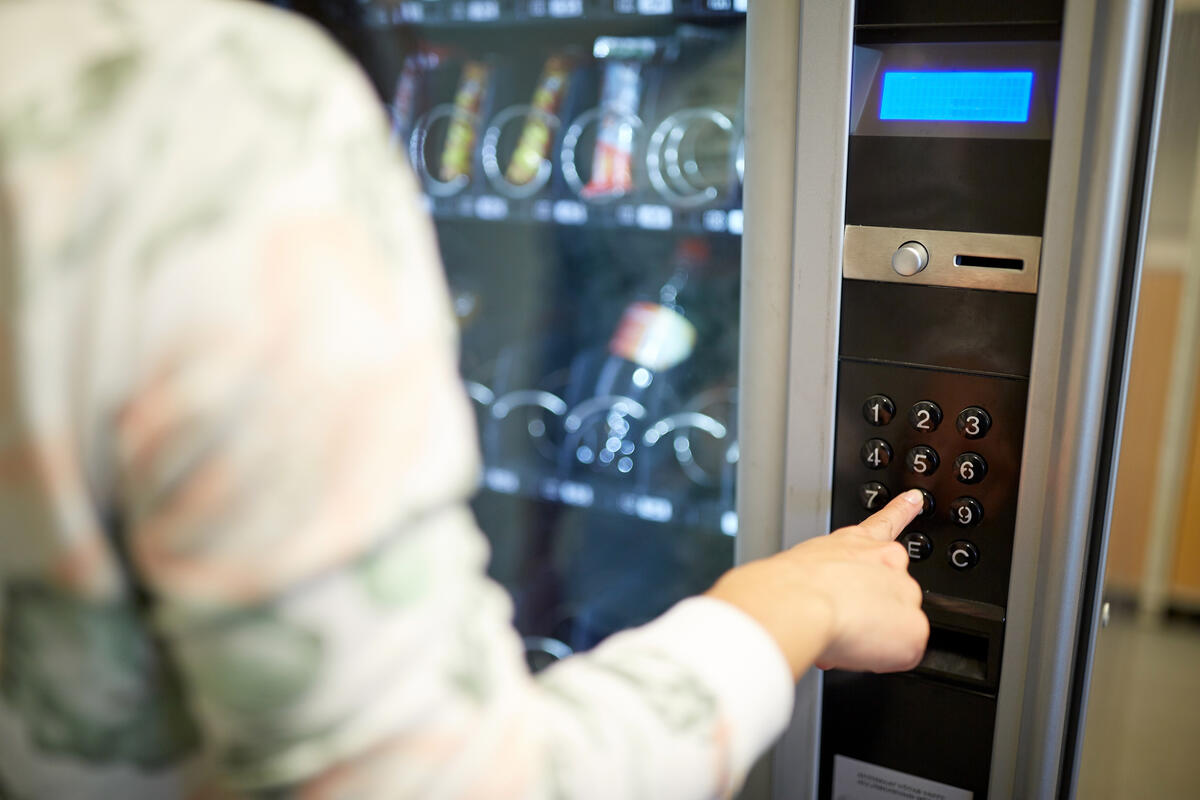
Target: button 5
[
  {"x": 966, "y": 512},
  {"x": 876, "y": 454},
  {"x": 962, "y": 555},
  {"x": 925, "y": 416},
  {"x": 970, "y": 468},
  {"x": 973, "y": 422},
  {"x": 922, "y": 460},
  {"x": 879, "y": 409},
  {"x": 917, "y": 544},
  {"x": 873, "y": 495}
]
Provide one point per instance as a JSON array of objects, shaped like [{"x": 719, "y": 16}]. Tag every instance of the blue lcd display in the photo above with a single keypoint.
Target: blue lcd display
[{"x": 956, "y": 96}]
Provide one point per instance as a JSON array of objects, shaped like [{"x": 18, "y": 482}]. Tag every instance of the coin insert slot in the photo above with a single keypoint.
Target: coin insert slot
[
  {"x": 957, "y": 654},
  {"x": 989, "y": 262}
]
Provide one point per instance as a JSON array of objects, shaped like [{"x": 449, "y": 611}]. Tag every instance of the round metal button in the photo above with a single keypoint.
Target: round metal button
[
  {"x": 910, "y": 258},
  {"x": 925, "y": 416}
]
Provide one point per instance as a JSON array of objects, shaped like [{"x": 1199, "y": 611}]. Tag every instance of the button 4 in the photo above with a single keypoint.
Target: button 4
[
  {"x": 966, "y": 512},
  {"x": 879, "y": 409},
  {"x": 876, "y": 454},
  {"x": 925, "y": 416},
  {"x": 970, "y": 468},
  {"x": 973, "y": 422},
  {"x": 922, "y": 460},
  {"x": 873, "y": 496},
  {"x": 917, "y": 544},
  {"x": 962, "y": 554}
]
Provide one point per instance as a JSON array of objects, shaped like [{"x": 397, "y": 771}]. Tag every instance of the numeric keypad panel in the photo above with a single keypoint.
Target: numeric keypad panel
[{"x": 957, "y": 438}]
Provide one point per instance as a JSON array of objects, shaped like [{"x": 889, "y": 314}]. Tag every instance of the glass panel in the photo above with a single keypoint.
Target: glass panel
[
  {"x": 1142, "y": 731},
  {"x": 583, "y": 161}
]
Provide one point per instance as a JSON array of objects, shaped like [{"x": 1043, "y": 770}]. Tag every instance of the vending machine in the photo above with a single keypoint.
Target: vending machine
[{"x": 728, "y": 278}]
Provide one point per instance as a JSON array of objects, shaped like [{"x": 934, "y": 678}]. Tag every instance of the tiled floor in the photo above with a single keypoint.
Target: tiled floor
[{"x": 1143, "y": 727}]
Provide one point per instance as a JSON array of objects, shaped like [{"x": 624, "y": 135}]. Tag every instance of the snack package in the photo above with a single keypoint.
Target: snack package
[
  {"x": 406, "y": 99},
  {"x": 460, "y": 138},
  {"x": 653, "y": 336},
  {"x": 534, "y": 144},
  {"x": 612, "y": 161}
]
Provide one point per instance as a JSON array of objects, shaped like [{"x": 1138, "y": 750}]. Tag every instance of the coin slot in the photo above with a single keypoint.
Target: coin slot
[
  {"x": 956, "y": 654},
  {"x": 988, "y": 262}
]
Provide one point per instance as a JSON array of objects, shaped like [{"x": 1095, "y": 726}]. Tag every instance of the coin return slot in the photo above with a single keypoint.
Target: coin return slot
[
  {"x": 956, "y": 654},
  {"x": 989, "y": 262}
]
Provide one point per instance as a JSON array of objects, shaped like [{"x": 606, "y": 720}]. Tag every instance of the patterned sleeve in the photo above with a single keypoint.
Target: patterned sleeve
[{"x": 296, "y": 454}]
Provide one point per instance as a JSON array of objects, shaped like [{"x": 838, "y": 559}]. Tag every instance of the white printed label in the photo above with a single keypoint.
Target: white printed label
[
  {"x": 563, "y": 9},
  {"x": 720, "y": 5},
  {"x": 654, "y": 218},
  {"x": 858, "y": 780},
  {"x": 501, "y": 480},
  {"x": 489, "y": 206},
  {"x": 575, "y": 494},
  {"x": 483, "y": 10},
  {"x": 739, "y": 5},
  {"x": 654, "y": 6},
  {"x": 736, "y": 221},
  {"x": 568, "y": 212}
]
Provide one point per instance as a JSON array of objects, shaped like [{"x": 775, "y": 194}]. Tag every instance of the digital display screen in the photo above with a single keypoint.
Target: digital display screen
[{"x": 956, "y": 96}]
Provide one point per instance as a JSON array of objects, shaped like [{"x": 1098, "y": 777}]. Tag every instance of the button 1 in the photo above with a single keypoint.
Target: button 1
[
  {"x": 910, "y": 258},
  {"x": 917, "y": 544},
  {"x": 962, "y": 555},
  {"x": 966, "y": 512},
  {"x": 925, "y": 416},
  {"x": 876, "y": 454},
  {"x": 973, "y": 422},
  {"x": 879, "y": 409},
  {"x": 873, "y": 495},
  {"x": 922, "y": 460},
  {"x": 970, "y": 468},
  {"x": 927, "y": 503}
]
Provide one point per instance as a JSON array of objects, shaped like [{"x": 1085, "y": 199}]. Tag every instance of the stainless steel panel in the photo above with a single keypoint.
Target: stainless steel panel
[
  {"x": 1099, "y": 104},
  {"x": 867, "y": 255},
  {"x": 826, "y": 39}
]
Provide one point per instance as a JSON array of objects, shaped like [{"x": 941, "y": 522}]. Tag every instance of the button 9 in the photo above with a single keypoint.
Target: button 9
[
  {"x": 973, "y": 422},
  {"x": 922, "y": 460},
  {"x": 876, "y": 454},
  {"x": 966, "y": 512},
  {"x": 925, "y": 416},
  {"x": 970, "y": 468},
  {"x": 879, "y": 409}
]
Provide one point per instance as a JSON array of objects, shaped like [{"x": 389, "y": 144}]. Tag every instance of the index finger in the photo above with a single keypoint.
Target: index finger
[{"x": 887, "y": 523}]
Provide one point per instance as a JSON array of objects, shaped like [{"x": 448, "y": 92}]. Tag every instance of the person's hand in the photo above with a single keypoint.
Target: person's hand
[{"x": 844, "y": 600}]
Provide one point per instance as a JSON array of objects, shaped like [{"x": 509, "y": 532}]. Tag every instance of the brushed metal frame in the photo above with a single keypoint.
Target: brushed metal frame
[
  {"x": 772, "y": 88},
  {"x": 1099, "y": 104},
  {"x": 868, "y": 250}
]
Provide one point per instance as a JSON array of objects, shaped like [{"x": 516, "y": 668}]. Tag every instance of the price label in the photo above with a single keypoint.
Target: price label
[
  {"x": 626, "y": 214},
  {"x": 483, "y": 10},
  {"x": 625, "y": 6},
  {"x": 719, "y": 5},
  {"x": 411, "y": 12},
  {"x": 504, "y": 481},
  {"x": 654, "y": 509},
  {"x": 466, "y": 207},
  {"x": 654, "y": 217},
  {"x": 735, "y": 220},
  {"x": 536, "y": 8},
  {"x": 714, "y": 220},
  {"x": 543, "y": 210},
  {"x": 569, "y": 212},
  {"x": 576, "y": 494},
  {"x": 489, "y": 206},
  {"x": 565, "y": 9},
  {"x": 740, "y": 5},
  {"x": 654, "y": 7}
]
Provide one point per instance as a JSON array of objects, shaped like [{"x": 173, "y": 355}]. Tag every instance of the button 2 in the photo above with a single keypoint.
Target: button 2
[
  {"x": 917, "y": 544},
  {"x": 879, "y": 409},
  {"x": 925, "y": 416},
  {"x": 922, "y": 460},
  {"x": 873, "y": 495},
  {"x": 876, "y": 454},
  {"x": 962, "y": 555},
  {"x": 973, "y": 422},
  {"x": 970, "y": 468},
  {"x": 966, "y": 512}
]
